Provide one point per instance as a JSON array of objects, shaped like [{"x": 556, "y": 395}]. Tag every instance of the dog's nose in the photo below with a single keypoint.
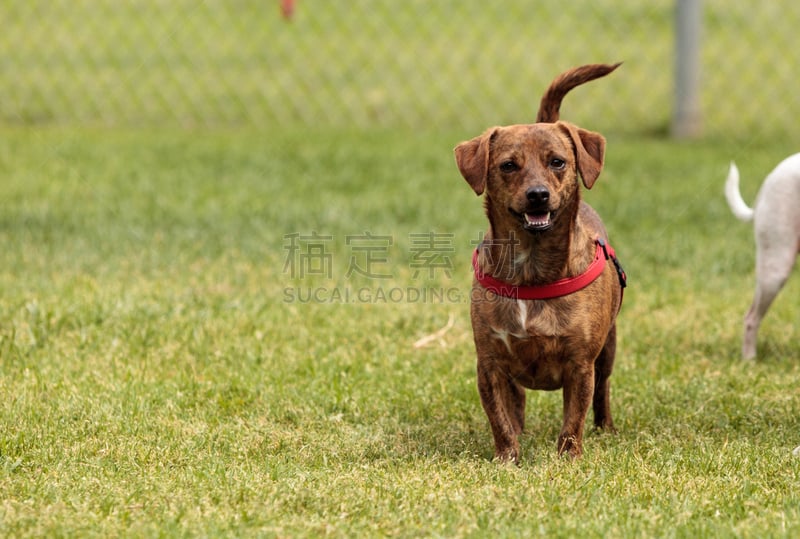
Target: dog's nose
[{"x": 538, "y": 194}]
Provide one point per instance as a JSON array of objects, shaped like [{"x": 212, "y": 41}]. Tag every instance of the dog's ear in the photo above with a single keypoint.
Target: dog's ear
[
  {"x": 590, "y": 149},
  {"x": 472, "y": 158}
]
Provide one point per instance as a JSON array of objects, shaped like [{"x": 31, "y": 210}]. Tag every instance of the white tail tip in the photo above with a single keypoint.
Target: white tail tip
[{"x": 738, "y": 206}]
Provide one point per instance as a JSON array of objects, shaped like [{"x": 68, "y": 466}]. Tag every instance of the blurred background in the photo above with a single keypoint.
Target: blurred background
[{"x": 417, "y": 64}]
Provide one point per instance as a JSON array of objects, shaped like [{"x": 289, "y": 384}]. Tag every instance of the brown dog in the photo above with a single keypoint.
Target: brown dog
[{"x": 544, "y": 297}]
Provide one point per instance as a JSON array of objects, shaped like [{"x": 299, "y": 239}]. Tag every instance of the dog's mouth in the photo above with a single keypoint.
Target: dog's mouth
[
  {"x": 537, "y": 221},
  {"x": 534, "y": 221}
]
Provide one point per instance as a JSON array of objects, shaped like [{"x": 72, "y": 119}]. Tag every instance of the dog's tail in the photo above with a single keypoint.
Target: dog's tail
[
  {"x": 561, "y": 85},
  {"x": 738, "y": 206}
]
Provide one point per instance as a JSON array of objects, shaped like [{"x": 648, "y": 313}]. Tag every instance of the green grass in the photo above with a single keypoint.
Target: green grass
[{"x": 155, "y": 382}]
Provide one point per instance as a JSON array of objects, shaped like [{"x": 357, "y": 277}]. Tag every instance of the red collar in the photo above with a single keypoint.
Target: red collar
[{"x": 557, "y": 289}]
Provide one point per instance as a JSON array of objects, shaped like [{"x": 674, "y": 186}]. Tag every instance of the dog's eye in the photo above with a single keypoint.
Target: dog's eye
[
  {"x": 508, "y": 166},
  {"x": 557, "y": 163}
]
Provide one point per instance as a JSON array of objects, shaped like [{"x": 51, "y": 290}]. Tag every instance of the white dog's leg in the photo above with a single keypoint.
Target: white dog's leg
[{"x": 775, "y": 258}]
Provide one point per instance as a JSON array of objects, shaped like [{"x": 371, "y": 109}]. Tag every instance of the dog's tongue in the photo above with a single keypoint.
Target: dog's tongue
[{"x": 537, "y": 220}]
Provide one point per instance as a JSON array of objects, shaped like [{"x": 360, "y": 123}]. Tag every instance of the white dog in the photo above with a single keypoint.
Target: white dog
[{"x": 776, "y": 213}]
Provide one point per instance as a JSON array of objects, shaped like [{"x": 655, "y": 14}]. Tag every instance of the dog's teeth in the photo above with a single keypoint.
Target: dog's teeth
[{"x": 537, "y": 219}]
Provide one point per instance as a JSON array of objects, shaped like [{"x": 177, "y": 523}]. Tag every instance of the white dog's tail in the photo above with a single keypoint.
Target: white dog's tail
[{"x": 738, "y": 206}]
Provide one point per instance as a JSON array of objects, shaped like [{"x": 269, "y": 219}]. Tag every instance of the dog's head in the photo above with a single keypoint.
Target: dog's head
[{"x": 530, "y": 172}]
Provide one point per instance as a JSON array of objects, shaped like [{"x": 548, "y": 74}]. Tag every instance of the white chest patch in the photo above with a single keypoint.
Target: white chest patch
[
  {"x": 504, "y": 336},
  {"x": 523, "y": 314}
]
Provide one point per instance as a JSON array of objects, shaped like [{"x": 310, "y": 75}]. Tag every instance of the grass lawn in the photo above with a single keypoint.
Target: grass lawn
[{"x": 170, "y": 366}]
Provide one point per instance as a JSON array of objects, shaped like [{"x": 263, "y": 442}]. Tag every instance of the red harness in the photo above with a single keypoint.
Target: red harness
[{"x": 559, "y": 288}]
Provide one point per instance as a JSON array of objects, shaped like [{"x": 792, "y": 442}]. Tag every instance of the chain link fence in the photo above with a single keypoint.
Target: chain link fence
[{"x": 416, "y": 64}]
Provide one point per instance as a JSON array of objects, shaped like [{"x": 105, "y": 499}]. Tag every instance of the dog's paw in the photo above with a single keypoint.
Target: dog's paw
[
  {"x": 606, "y": 427},
  {"x": 570, "y": 445},
  {"x": 507, "y": 456}
]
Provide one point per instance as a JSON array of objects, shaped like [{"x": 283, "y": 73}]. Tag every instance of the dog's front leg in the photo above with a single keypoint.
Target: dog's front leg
[
  {"x": 602, "y": 371},
  {"x": 503, "y": 401},
  {"x": 578, "y": 391}
]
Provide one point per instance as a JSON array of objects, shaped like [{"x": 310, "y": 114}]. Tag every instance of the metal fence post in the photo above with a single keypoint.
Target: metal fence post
[{"x": 686, "y": 120}]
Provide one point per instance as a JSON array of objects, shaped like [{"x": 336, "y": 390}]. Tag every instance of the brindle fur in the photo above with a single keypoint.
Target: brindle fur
[{"x": 564, "y": 343}]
